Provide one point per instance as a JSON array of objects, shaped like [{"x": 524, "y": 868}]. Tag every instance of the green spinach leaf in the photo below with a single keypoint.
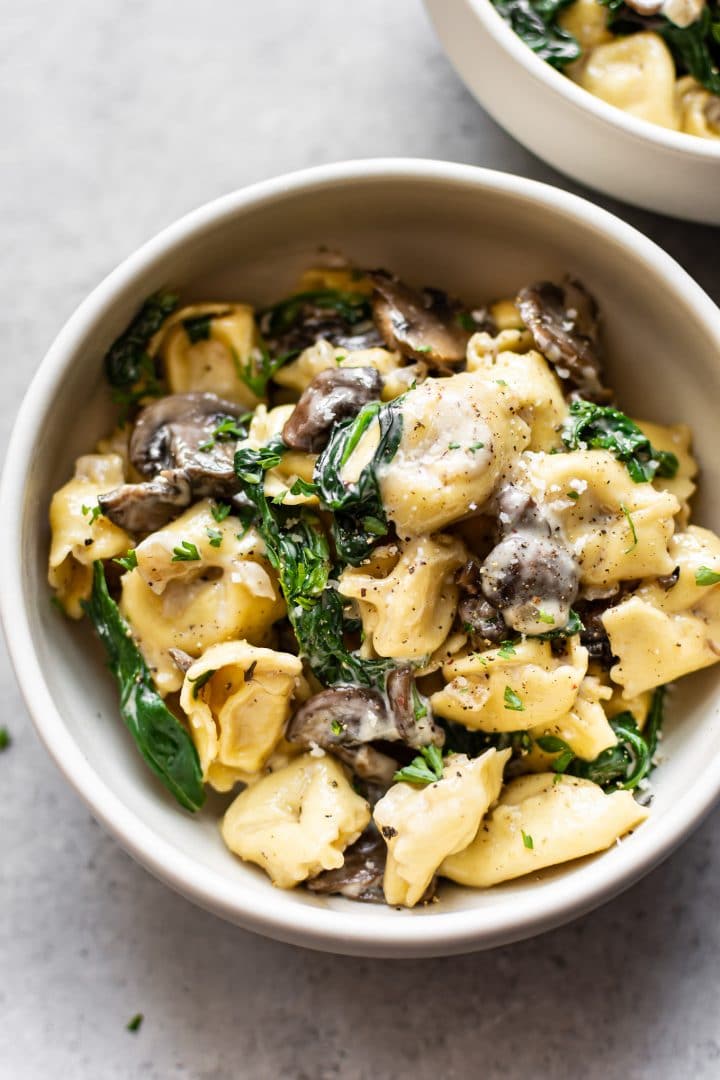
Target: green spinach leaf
[
  {"x": 126, "y": 360},
  {"x": 600, "y": 427},
  {"x": 359, "y": 517},
  {"x": 160, "y": 738},
  {"x": 535, "y": 22}
]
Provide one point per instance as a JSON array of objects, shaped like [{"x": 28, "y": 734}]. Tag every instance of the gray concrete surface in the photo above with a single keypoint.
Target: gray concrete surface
[{"x": 115, "y": 118}]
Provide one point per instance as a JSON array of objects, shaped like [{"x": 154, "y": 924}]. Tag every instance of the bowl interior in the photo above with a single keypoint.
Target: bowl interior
[{"x": 481, "y": 236}]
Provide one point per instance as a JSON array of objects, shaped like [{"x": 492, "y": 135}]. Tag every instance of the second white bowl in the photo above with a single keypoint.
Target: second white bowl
[{"x": 577, "y": 133}]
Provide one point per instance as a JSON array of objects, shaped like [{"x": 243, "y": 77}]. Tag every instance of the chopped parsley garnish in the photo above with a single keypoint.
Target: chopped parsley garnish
[
  {"x": 551, "y": 744},
  {"x": 187, "y": 552},
  {"x": 128, "y": 561},
  {"x": 546, "y": 617},
  {"x": 229, "y": 428},
  {"x": 506, "y": 650},
  {"x": 426, "y": 768},
  {"x": 705, "y": 576},
  {"x": 136, "y": 1022},
  {"x": 336, "y": 727},
  {"x": 92, "y": 513},
  {"x": 527, "y": 840},
  {"x": 220, "y": 511},
  {"x": 600, "y": 427},
  {"x": 215, "y": 536},
  {"x": 574, "y": 495},
  {"x": 465, "y": 320},
  {"x": 453, "y": 446},
  {"x": 476, "y": 446},
  {"x": 512, "y": 701},
  {"x": 631, "y": 526},
  {"x": 423, "y": 348}
]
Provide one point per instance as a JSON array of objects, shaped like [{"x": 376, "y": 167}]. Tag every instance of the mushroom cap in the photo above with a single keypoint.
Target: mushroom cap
[
  {"x": 420, "y": 324},
  {"x": 333, "y": 395},
  {"x": 177, "y": 432},
  {"x": 361, "y": 874},
  {"x": 564, "y": 322}
]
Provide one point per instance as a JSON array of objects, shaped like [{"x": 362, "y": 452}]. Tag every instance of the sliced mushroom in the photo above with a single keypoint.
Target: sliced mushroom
[
  {"x": 413, "y": 729},
  {"x": 175, "y": 444},
  {"x": 179, "y": 432},
  {"x": 424, "y": 325},
  {"x": 343, "y": 721},
  {"x": 361, "y": 875},
  {"x": 530, "y": 575},
  {"x": 141, "y": 508},
  {"x": 346, "y": 720},
  {"x": 563, "y": 320},
  {"x": 332, "y": 396}
]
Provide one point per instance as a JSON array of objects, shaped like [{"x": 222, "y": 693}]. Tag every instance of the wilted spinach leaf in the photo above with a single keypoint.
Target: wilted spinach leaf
[{"x": 160, "y": 738}]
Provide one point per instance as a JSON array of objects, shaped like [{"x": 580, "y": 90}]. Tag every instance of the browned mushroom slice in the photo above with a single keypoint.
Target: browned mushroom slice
[
  {"x": 530, "y": 575},
  {"x": 192, "y": 432},
  {"x": 361, "y": 875},
  {"x": 415, "y": 725},
  {"x": 343, "y": 721},
  {"x": 424, "y": 325},
  {"x": 332, "y": 395},
  {"x": 143, "y": 508},
  {"x": 563, "y": 320}
]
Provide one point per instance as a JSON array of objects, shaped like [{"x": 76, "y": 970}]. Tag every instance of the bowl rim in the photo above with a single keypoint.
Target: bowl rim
[
  {"x": 276, "y": 914},
  {"x": 680, "y": 142}
]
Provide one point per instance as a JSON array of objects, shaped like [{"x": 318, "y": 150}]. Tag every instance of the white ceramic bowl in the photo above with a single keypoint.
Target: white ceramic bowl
[
  {"x": 578, "y": 133},
  {"x": 480, "y": 234}
]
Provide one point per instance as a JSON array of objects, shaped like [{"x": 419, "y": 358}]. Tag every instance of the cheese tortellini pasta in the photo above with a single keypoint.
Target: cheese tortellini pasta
[
  {"x": 297, "y": 821},
  {"x": 392, "y": 573}
]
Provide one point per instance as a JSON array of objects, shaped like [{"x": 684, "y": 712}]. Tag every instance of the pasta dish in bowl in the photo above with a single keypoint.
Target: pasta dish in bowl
[
  {"x": 319, "y": 519},
  {"x": 394, "y": 567}
]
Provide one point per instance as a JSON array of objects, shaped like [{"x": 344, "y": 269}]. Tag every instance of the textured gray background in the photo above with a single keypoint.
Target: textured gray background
[{"x": 116, "y": 118}]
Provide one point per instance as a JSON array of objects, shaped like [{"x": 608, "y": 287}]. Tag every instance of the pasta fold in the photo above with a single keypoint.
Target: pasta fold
[
  {"x": 542, "y": 820},
  {"x": 237, "y": 700},
  {"x": 424, "y": 825}
]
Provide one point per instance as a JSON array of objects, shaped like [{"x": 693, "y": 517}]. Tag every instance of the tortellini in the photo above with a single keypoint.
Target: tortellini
[
  {"x": 677, "y": 440},
  {"x": 237, "y": 699},
  {"x": 512, "y": 688},
  {"x": 423, "y": 826},
  {"x": 297, "y": 821},
  {"x": 294, "y": 463},
  {"x": 619, "y": 530},
  {"x": 542, "y": 820},
  {"x": 586, "y": 20},
  {"x": 208, "y": 347},
  {"x": 636, "y": 74},
  {"x": 198, "y": 582},
  {"x": 659, "y": 633},
  {"x": 700, "y": 109},
  {"x": 458, "y": 437},
  {"x": 585, "y": 728},
  {"x": 409, "y": 612},
  {"x": 397, "y": 377},
  {"x": 538, "y": 392},
  {"x": 80, "y": 534}
]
